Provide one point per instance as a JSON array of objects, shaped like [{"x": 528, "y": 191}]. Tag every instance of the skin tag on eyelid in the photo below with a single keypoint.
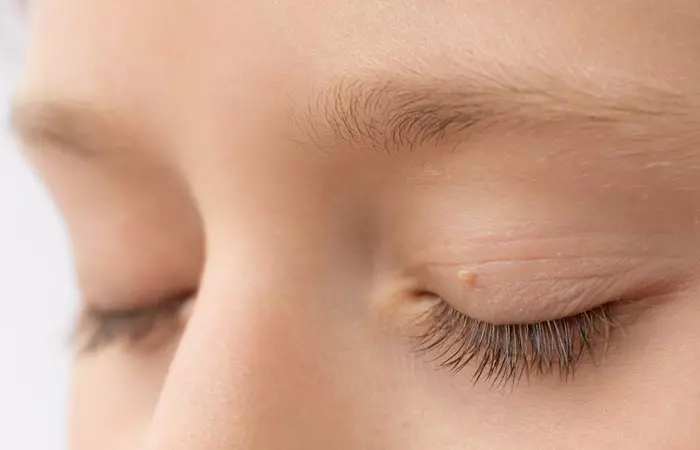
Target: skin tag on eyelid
[{"x": 467, "y": 277}]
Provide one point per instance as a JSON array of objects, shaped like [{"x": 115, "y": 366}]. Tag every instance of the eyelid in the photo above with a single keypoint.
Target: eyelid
[{"x": 533, "y": 290}]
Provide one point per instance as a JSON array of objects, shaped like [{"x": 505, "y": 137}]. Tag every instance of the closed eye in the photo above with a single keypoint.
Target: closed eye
[
  {"x": 504, "y": 353},
  {"x": 100, "y": 328}
]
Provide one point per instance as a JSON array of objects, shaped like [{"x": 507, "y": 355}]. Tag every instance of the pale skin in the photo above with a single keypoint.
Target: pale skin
[{"x": 306, "y": 173}]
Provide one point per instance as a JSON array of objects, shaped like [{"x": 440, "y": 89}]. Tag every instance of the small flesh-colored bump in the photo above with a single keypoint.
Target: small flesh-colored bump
[{"x": 469, "y": 278}]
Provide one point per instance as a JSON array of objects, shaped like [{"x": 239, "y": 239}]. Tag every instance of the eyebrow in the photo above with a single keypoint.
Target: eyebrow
[
  {"x": 75, "y": 128},
  {"x": 390, "y": 113}
]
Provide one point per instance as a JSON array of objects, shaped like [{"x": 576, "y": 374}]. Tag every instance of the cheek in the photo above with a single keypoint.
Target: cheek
[
  {"x": 644, "y": 394},
  {"x": 659, "y": 368},
  {"x": 113, "y": 395}
]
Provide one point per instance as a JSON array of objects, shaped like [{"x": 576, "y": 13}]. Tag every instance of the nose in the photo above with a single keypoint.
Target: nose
[{"x": 270, "y": 358}]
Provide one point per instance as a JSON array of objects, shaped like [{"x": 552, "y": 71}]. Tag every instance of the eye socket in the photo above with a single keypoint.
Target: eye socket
[
  {"x": 505, "y": 353},
  {"x": 98, "y": 329}
]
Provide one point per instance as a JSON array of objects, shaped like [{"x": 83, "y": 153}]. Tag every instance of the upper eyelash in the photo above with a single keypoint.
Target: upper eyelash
[
  {"x": 98, "y": 329},
  {"x": 506, "y": 353}
]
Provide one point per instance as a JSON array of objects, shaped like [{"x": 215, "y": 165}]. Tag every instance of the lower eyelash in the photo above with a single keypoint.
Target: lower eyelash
[{"x": 506, "y": 353}]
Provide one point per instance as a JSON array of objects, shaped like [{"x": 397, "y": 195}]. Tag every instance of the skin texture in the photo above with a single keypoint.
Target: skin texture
[{"x": 214, "y": 147}]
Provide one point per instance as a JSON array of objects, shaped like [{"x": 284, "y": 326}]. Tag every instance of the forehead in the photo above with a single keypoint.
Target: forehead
[
  {"x": 175, "y": 61},
  {"x": 133, "y": 39}
]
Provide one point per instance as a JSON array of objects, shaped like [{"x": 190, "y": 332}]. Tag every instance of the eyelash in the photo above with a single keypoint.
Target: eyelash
[
  {"x": 98, "y": 329},
  {"x": 502, "y": 353},
  {"x": 505, "y": 353}
]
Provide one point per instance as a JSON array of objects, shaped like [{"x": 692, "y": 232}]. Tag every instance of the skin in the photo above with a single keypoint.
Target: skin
[{"x": 176, "y": 139}]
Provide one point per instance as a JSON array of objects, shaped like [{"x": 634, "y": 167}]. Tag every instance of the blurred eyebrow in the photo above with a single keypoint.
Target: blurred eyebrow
[
  {"x": 392, "y": 113},
  {"x": 78, "y": 129}
]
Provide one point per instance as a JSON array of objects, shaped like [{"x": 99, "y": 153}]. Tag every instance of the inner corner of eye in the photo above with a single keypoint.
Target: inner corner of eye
[
  {"x": 399, "y": 302},
  {"x": 423, "y": 295}
]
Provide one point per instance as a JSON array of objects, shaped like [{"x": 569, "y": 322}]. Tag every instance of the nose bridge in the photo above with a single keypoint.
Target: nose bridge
[{"x": 255, "y": 367}]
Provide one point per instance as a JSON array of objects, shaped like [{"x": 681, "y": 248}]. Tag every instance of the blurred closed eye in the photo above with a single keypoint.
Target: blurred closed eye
[{"x": 148, "y": 326}]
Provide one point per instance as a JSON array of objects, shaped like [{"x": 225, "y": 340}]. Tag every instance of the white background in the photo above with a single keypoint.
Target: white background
[{"x": 37, "y": 295}]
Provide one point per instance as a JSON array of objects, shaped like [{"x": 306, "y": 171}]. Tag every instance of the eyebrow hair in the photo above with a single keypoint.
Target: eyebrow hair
[
  {"x": 390, "y": 113},
  {"x": 387, "y": 113}
]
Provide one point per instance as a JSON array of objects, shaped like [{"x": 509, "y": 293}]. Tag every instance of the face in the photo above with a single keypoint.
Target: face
[{"x": 376, "y": 225}]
